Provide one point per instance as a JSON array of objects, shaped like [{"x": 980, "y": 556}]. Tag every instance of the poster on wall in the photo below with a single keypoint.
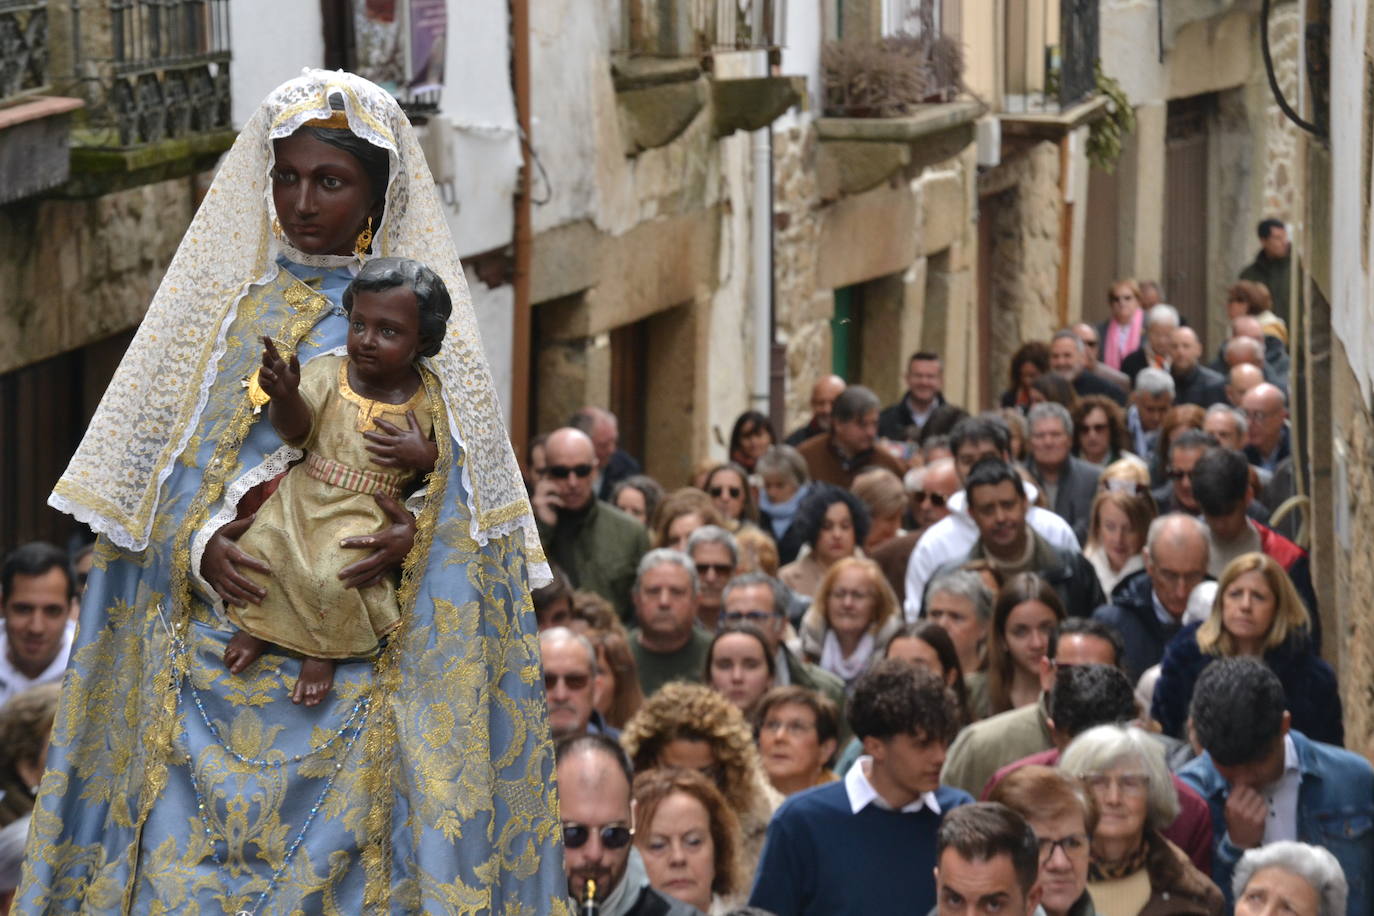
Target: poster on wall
[{"x": 400, "y": 46}]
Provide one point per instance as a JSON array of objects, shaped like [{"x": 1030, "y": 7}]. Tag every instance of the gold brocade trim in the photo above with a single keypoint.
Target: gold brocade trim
[
  {"x": 381, "y": 741},
  {"x": 507, "y": 513},
  {"x": 368, "y": 408},
  {"x": 162, "y": 732}
]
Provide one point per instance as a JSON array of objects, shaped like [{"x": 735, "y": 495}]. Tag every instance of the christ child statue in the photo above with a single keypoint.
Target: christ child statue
[{"x": 335, "y": 409}]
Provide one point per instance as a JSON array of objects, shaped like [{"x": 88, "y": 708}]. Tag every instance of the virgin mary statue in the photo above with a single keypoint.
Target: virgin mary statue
[{"x": 423, "y": 783}]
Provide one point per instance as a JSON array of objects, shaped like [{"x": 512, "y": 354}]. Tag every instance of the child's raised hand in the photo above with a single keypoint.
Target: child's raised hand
[
  {"x": 394, "y": 447},
  {"x": 278, "y": 377}
]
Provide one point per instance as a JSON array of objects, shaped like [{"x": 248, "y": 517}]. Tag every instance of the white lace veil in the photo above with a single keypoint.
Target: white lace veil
[{"x": 151, "y": 408}]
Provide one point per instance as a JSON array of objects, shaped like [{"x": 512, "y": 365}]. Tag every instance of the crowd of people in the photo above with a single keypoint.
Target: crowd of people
[{"x": 1064, "y": 654}]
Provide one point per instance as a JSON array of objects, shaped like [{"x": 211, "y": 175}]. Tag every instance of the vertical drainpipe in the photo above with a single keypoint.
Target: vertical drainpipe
[
  {"x": 761, "y": 238},
  {"x": 524, "y": 232}
]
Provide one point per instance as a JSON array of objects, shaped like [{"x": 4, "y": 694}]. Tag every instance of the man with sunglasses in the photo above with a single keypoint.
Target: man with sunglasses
[
  {"x": 594, "y": 778},
  {"x": 1092, "y": 363},
  {"x": 715, "y": 555},
  {"x": 570, "y": 682},
  {"x": 596, "y": 544},
  {"x": 1177, "y": 494}
]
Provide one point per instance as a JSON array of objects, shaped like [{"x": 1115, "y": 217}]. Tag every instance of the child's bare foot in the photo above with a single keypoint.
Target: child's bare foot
[
  {"x": 315, "y": 682},
  {"x": 242, "y": 651}
]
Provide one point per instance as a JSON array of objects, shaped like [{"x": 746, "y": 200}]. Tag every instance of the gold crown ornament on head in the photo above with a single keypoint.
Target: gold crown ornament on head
[{"x": 338, "y": 120}]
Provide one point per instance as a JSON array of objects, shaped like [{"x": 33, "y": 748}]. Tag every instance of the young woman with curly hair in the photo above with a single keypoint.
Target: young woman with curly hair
[{"x": 693, "y": 727}]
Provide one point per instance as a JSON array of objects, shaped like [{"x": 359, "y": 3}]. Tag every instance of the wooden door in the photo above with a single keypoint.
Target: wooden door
[
  {"x": 1101, "y": 257},
  {"x": 1185, "y": 211}
]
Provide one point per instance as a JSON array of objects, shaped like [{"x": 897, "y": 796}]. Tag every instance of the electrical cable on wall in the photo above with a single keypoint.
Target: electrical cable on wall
[{"x": 1274, "y": 80}]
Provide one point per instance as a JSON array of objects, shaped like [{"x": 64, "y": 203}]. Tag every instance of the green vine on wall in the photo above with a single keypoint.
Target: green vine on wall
[{"x": 1106, "y": 136}]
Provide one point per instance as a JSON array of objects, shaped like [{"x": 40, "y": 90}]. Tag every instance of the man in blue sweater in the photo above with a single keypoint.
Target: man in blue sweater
[
  {"x": 867, "y": 844},
  {"x": 1265, "y": 782}
]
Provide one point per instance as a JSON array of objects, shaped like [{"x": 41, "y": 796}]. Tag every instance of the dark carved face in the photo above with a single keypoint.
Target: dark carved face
[{"x": 323, "y": 196}]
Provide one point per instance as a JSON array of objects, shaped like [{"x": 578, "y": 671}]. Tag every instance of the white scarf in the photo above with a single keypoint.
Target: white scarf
[{"x": 834, "y": 660}]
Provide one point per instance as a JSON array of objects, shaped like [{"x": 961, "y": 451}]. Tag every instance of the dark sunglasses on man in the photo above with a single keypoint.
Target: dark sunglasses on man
[
  {"x": 561, "y": 471},
  {"x": 921, "y": 496},
  {"x": 575, "y": 836},
  {"x": 574, "y": 681}
]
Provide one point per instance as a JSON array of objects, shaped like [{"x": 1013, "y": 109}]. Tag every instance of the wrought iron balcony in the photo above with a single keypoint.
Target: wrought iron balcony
[
  {"x": 1051, "y": 47},
  {"x": 690, "y": 28},
  {"x": 23, "y": 48},
  {"x": 149, "y": 70}
]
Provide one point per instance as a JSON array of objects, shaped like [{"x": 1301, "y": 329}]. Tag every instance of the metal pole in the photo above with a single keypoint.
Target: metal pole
[{"x": 524, "y": 231}]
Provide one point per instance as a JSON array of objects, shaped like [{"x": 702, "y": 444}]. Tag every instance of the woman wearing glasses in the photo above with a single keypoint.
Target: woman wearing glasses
[
  {"x": 1121, "y": 334},
  {"x": 1099, "y": 430},
  {"x": 1133, "y": 870},
  {"x": 728, "y": 487},
  {"x": 798, "y": 733},
  {"x": 693, "y": 727},
  {"x": 852, "y": 618},
  {"x": 1063, "y": 817},
  {"x": 688, "y": 838}
]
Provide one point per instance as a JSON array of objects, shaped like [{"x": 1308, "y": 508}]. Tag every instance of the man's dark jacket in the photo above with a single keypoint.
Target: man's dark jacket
[
  {"x": 1073, "y": 499},
  {"x": 1202, "y": 386},
  {"x": 1132, "y": 614},
  {"x": 621, "y": 465},
  {"x": 599, "y": 548},
  {"x": 1086, "y": 383},
  {"x": 894, "y": 422},
  {"x": 1273, "y": 273}
]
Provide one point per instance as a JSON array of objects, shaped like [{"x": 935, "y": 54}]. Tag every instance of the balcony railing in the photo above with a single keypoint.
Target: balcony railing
[
  {"x": 686, "y": 28},
  {"x": 1051, "y": 49},
  {"x": 23, "y": 48},
  {"x": 149, "y": 70}
]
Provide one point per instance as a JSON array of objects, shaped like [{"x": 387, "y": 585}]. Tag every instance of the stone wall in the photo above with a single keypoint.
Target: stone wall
[
  {"x": 908, "y": 243},
  {"x": 1351, "y": 647},
  {"x": 78, "y": 271},
  {"x": 1021, "y": 197}
]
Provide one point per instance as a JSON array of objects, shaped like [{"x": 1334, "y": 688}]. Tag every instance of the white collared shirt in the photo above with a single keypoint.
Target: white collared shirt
[
  {"x": 14, "y": 682},
  {"x": 1282, "y": 798},
  {"x": 862, "y": 794}
]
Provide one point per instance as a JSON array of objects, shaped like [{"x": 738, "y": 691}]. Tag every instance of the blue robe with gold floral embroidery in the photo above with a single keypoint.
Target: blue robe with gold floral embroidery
[{"x": 423, "y": 783}]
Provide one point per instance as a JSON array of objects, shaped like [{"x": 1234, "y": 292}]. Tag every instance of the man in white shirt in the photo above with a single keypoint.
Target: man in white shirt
[
  {"x": 951, "y": 539},
  {"x": 37, "y": 594}
]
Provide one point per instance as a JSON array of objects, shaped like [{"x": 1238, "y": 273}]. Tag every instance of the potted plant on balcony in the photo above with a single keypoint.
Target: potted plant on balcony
[{"x": 889, "y": 77}]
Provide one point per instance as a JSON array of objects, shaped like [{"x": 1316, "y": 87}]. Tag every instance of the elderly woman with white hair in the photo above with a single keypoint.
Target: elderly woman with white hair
[
  {"x": 1289, "y": 878},
  {"x": 1133, "y": 869}
]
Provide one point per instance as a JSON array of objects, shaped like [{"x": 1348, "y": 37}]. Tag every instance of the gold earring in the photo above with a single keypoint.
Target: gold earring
[
  {"x": 364, "y": 239},
  {"x": 276, "y": 228}
]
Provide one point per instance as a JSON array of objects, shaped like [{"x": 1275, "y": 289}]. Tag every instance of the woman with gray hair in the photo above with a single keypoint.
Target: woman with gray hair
[
  {"x": 1289, "y": 877},
  {"x": 784, "y": 484},
  {"x": 1133, "y": 869}
]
